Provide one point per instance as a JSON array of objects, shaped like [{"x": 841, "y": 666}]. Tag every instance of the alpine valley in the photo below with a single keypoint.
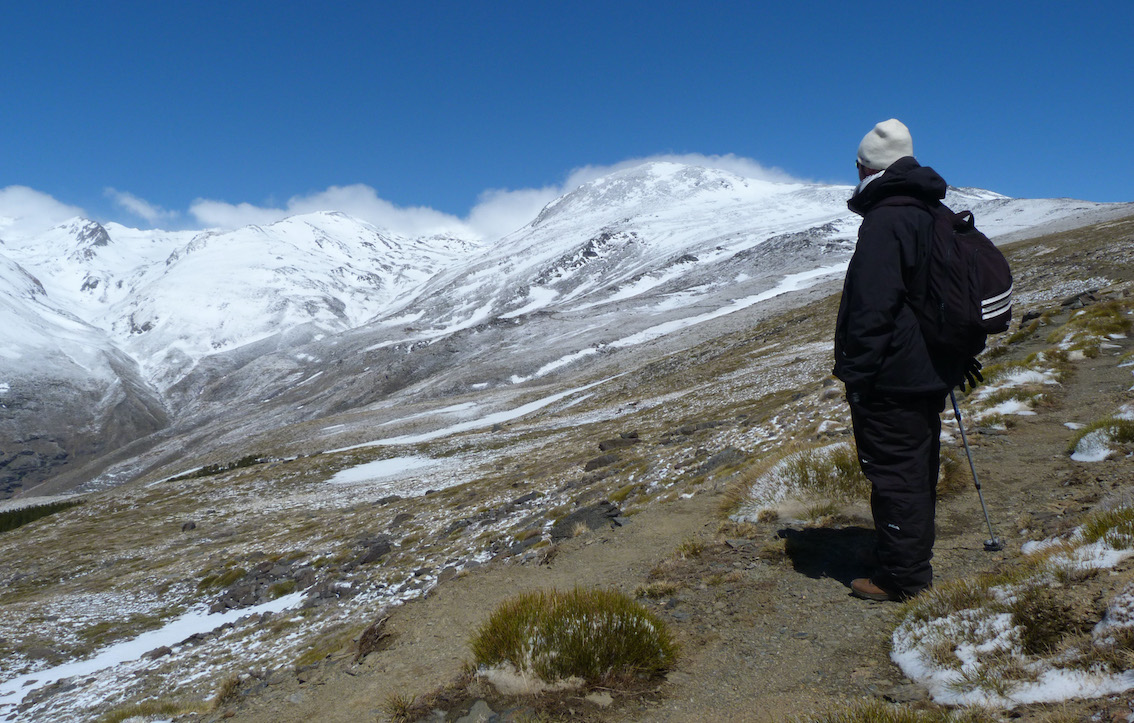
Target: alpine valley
[
  {"x": 304, "y": 461},
  {"x": 126, "y": 351}
]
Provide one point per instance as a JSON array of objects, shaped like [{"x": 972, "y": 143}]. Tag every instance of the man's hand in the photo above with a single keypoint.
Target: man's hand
[{"x": 972, "y": 375}]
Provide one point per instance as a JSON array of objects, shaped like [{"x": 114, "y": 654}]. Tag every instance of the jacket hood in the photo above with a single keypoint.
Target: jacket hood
[{"x": 904, "y": 177}]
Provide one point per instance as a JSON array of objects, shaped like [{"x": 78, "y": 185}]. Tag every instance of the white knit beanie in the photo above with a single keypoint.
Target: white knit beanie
[{"x": 886, "y": 143}]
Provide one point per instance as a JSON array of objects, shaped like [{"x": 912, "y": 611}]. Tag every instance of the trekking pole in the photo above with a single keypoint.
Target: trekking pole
[{"x": 993, "y": 544}]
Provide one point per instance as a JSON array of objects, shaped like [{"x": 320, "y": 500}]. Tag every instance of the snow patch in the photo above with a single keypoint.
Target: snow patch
[
  {"x": 196, "y": 621},
  {"x": 382, "y": 469},
  {"x": 1093, "y": 447}
]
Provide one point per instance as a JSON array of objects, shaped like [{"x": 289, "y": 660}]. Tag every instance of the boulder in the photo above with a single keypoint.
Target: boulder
[
  {"x": 596, "y": 516},
  {"x": 600, "y": 461},
  {"x": 374, "y": 550}
]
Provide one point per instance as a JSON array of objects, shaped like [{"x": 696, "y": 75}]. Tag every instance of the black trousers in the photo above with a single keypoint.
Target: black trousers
[{"x": 899, "y": 447}]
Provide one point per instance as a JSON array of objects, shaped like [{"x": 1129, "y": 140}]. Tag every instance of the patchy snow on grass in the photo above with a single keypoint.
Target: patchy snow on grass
[
  {"x": 14, "y": 690},
  {"x": 1119, "y": 614},
  {"x": 975, "y": 656},
  {"x": 1010, "y": 406},
  {"x": 478, "y": 423},
  {"x": 1093, "y": 447},
  {"x": 783, "y": 479}
]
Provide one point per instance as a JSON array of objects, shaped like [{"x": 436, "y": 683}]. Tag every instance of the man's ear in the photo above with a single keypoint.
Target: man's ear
[{"x": 864, "y": 172}]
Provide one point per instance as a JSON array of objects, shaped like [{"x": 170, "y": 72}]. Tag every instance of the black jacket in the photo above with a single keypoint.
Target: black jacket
[{"x": 878, "y": 342}]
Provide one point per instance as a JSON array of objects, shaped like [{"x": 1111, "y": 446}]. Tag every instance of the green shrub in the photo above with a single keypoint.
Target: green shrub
[
  {"x": 596, "y": 635},
  {"x": 211, "y": 470}
]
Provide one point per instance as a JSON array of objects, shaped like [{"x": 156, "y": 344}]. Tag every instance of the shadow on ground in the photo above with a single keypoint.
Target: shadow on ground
[{"x": 838, "y": 553}]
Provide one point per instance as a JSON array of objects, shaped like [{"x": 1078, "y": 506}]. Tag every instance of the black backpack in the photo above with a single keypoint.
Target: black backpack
[{"x": 968, "y": 283}]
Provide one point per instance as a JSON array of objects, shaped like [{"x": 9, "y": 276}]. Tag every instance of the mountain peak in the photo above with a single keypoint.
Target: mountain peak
[{"x": 639, "y": 188}]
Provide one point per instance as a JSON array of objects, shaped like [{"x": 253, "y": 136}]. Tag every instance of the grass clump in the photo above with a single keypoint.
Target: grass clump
[
  {"x": 1114, "y": 525},
  {"x": 596, "y": 635},
  {"x": 1023, "y": 333},
  {"x": 949, "y": 597},
  {"x": 147, "y": 709},
  {"x": 1041, "y": 617},
  {"x": 399, "y": 706},
  {"x": 955, "y": 474},
  {"x": 1089, "y": 326},
  {"x": 832, "y": 472},
  {"x": 279, "y": 589},
  {"x": 810, "y": 474},
  {"x": 335, "y": 641},
  {"x": 877, "y": 711},
  {"x": 999, "y": 632},
  {"x": 1111, "y": 430},
  {"x": 656, "y": 589},
  {"x": 690, "y": 548},
  {"x": 226, "y": 693}
]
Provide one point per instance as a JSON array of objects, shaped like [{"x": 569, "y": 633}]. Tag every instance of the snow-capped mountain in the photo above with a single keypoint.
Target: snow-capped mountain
[
  {"x": 243, "y": 331},
  {"x": 67, "y": 394}
]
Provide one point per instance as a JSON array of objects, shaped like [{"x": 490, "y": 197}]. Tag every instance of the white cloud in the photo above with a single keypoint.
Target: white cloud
[
  {"x": 25, "y": 211},
  {"x": 219, "y": 214},
  {"x": 357, "y": 200},
  {"x": 497, "y": 211},
  {"x": 139, "y": 207}
]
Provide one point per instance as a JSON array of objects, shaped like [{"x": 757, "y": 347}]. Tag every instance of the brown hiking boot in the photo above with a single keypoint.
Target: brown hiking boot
[{"x": 865, "y": 588}]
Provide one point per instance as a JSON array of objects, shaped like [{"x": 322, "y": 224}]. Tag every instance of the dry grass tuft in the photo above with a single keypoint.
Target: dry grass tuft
[
  {"x": 948, "y": 598},
  {"x": 877, "y": 711},
  {"x": 149, "y": 709},
  {"x": 814, "y": 475},
  {"x": 690, "y": 548},
  {"x": 1115, "y": 525},
  {"x": 400, "y": 707},
  {"x": 229, "y": 688},
  {"x": 597, "y": 635},
  {"x": 1115, "y": 430},
  {"x": 1042, "y": 618}
]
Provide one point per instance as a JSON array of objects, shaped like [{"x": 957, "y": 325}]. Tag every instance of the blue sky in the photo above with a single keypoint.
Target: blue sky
[{"x": 185, "y": 115}]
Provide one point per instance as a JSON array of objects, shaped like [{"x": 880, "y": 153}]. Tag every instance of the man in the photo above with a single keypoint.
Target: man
[{"x": 896, "y": 385}]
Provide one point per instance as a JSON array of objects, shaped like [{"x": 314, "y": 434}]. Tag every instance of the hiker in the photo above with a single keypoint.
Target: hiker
[{"x": 896, "y": 385}]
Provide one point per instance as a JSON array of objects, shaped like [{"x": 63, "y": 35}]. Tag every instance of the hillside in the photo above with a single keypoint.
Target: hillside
[
  {"x": 184, "y": 345},
  {"x": 443, "y": 512}
]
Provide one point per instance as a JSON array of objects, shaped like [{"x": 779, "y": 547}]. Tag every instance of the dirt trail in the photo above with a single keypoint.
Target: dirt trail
[{"x": 768, "y": 628}]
